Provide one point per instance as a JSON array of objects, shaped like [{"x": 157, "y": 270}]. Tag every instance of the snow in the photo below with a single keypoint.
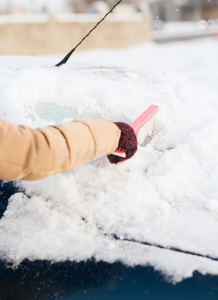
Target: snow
[
  {"x": 166, "y": 194},
  {"x": 22, "y": 19},
  {"x": 67, "y": 18},
  {"x": 171, "y": 31},
  {"x": 94, "y": 17}
]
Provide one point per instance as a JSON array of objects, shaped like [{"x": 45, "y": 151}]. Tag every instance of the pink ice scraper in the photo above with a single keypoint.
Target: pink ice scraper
[{"x": 143, "y": 126}]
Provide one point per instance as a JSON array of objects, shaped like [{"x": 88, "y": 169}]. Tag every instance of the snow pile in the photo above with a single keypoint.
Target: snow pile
[{"x": 166, "y": 194}]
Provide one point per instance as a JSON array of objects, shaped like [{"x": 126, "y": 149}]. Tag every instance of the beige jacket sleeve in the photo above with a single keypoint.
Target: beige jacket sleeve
[{"x": 31, "y": 154}]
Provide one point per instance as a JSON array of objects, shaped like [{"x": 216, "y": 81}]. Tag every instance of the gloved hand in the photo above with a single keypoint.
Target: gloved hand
[{"x": 128, "y": 143}]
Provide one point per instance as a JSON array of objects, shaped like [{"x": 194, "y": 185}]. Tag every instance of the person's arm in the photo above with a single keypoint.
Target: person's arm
[{"x": 31, "y": 154}]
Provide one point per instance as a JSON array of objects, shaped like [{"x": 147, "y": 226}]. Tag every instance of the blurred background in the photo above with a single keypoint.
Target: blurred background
[{"x": 39, "y": 27}]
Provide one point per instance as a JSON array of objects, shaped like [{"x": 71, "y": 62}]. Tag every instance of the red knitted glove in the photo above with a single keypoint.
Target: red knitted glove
[{"x": 128, "y": 143}]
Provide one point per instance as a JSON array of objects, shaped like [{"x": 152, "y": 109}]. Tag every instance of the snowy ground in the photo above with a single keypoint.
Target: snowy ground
[{"x": 167, "y": 194}]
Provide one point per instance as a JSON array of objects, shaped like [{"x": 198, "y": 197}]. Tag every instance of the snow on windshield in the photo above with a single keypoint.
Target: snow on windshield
[{"x": 166, "y": 194}]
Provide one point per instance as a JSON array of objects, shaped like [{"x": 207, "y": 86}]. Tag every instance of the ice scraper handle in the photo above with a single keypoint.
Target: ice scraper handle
[
  {"x": 141, "y": 121},
  {"x": 146, "y": 116}
]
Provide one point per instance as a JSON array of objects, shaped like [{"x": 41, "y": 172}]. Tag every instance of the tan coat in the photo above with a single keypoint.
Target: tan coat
[{"x": 31, "y": 154}]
